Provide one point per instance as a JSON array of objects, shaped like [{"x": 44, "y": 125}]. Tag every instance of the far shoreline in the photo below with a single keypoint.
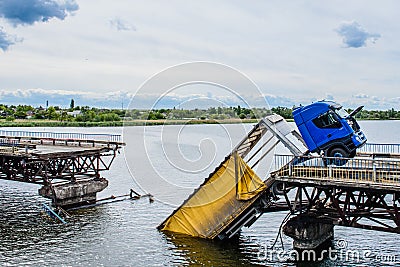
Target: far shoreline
[{"x": 52, "y": 123}]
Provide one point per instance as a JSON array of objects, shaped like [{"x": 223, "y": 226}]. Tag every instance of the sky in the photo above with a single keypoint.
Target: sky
[{"x": 103, "y": 53}]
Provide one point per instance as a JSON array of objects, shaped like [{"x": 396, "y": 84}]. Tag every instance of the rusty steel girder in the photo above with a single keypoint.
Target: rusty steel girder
[{"x": 373, "y": 209}]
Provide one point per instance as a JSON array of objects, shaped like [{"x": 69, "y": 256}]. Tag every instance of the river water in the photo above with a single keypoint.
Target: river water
[{"x": 168, "y": 162}]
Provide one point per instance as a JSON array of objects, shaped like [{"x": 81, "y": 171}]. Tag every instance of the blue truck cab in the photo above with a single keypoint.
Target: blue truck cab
[{"x": 326, "y": 127}]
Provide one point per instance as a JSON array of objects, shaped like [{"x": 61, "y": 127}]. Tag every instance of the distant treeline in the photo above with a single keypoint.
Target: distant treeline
[
  {"x": 218, "y": 113},
  {"x": 81, "y": 116},
  {"x": 55, "y": 113},
  {"x": 389, "y": 114}
]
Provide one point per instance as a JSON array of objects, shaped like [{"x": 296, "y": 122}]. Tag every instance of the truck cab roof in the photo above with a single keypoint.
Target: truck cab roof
[{"x": 305, "y": 113}]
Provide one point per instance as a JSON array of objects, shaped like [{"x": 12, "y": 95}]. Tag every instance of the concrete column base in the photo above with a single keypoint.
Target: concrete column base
[
  {"x": 308, "y": 232},
  {"x": 74, "y": 194}
]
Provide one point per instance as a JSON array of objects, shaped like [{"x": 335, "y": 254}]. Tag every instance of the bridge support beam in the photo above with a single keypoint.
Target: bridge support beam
[
  {"x": 308, "y": 232},
  {"x": 74, "y": 194}
]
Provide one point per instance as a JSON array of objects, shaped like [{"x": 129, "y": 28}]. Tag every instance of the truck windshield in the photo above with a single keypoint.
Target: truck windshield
[
  {"x": 350, "y": 120},
  {"x": 327, "y": 120},
  {"x": 342, "y": 113}
]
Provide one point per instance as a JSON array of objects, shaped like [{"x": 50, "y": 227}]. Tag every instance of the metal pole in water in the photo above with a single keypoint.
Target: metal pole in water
[{"x": 52, "y": 213}]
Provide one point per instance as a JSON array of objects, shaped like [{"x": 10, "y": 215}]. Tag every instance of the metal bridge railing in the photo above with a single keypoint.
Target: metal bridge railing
[
  {"x": 53, "y": 135},
  {"x": 356, "y": 170},
  {"x": 6, "y": 141},
  {"x": 380, "y": 148},
  {"x": 7, "y": 145}
]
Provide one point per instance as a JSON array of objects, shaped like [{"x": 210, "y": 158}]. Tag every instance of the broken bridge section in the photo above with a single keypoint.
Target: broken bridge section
[
  {"x": 233, "y": 195},
  {"x": 68, "y": 165},
  {"x": 318, "y": 192}
]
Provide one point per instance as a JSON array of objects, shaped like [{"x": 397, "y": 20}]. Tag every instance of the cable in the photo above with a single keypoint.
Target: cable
[{"x": 279, "y": 235}]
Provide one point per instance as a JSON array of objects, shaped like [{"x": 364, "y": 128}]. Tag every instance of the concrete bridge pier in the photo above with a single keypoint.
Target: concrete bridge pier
[
  {"x": 309, "y": 234},
  {"x": 74, "y": 194}
]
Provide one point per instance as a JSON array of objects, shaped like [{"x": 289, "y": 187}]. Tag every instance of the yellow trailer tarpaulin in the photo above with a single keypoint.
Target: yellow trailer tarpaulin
[{"x": 218, "y": 201}]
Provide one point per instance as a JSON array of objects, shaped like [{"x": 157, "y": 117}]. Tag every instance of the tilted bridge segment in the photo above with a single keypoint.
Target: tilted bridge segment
[
  {"x": 68, "y": 165},
  {"x": 363, "y": 193},
  {"x": 318, "y": 192}
]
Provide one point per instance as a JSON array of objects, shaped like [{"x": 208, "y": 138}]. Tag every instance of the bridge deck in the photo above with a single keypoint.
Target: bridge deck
[
  {"x": 47, "y": 151},
  {"x": 389, "y": 187},
  {"x": 61, "y": 136},
  {"x": 50, "y": 145},
  {"x": 41, "y": 157},
  {"x": 381, "y": 174}
]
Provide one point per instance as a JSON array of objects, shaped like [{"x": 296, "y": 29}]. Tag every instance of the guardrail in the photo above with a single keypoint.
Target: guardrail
[
  {"x": 350, "y": 170},
  {"x": 380, "y": 148},
  {"x": 7, "y": 141},
  {"x": 53, "y": 135}
]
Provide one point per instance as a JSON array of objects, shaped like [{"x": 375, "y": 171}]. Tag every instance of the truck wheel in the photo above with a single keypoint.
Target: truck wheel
[{"x": 338, "y": 153}]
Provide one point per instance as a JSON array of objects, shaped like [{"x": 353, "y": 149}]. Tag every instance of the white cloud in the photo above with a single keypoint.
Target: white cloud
[
  {"x": 6, "y": 40},
  {"x": 121, "y": 25},
  {"x": 296, "y": 56},
  {"x": 354, "y": 35},
  {"x": 21, "y": 12},
  {"x": 372, "y": 102},
  {"x": 361, "y": 95},
  {"x": 329, "y": 97},
  {"x": 38, "y": 96}
]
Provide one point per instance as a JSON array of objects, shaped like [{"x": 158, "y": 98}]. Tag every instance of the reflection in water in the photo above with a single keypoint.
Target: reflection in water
[
  {"x": 240, "y": 251},
  {"x": 202, "y": 252},
  {"x": 29, "y": 236}
]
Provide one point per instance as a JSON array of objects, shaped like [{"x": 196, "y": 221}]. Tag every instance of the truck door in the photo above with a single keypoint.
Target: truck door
[{"x": 326, "y": 127}]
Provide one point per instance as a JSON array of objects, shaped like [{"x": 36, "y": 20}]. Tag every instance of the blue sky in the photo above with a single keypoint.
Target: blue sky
[{"x": 101, "y": 52}]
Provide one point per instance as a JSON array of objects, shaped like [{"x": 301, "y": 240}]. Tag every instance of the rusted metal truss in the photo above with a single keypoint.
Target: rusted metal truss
[
  {"x": 346, "y": 206},
  {"x": 66, "y": 167}
]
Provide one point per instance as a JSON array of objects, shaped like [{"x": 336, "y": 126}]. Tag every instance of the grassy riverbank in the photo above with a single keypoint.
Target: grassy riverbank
[{"x": 53, "y": 123}]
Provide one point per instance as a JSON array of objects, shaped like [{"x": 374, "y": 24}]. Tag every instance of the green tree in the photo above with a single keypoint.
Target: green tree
[
  {"x": 238, "y": 110},
  {"x": 212, "y": 110},
  {"x": 20, "y": 114},
  {"x": 52, "y": 113},
  {"x": 10, "y": 118}
]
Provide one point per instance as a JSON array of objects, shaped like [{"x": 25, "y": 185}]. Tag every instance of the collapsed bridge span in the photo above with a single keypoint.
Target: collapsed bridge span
[
  {"x": 67, "y": 165},
  {"x": 319, "y": 192},
  {"x": 233, "y": 195}
]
